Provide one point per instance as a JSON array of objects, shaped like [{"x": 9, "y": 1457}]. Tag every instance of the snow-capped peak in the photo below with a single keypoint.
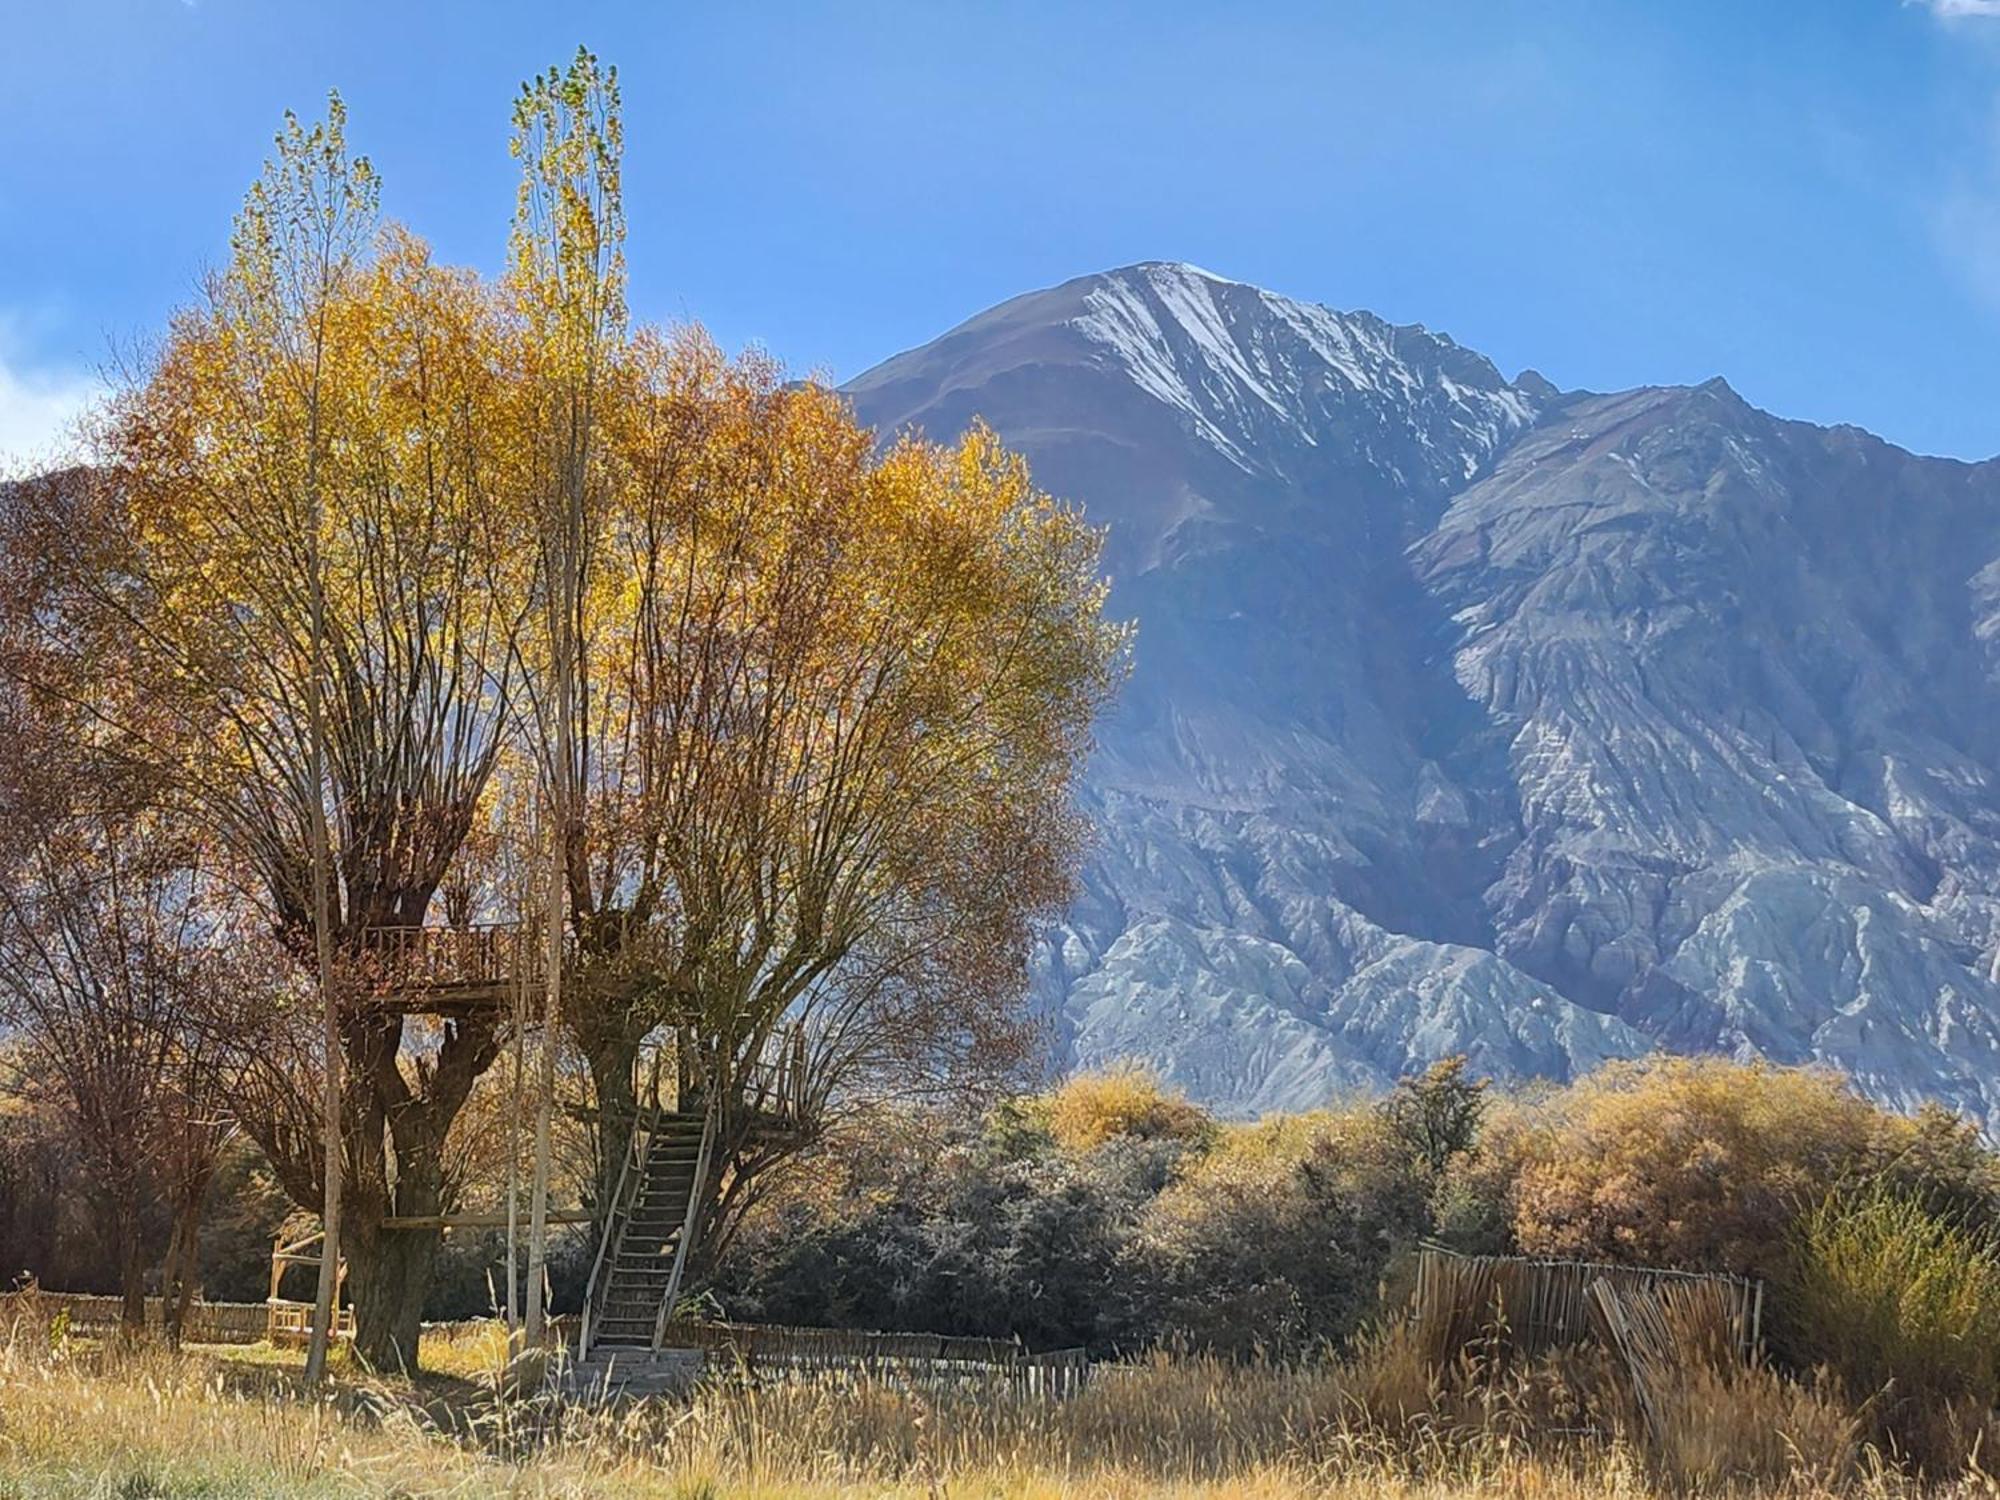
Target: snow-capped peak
[{"x": 1246, "y": 367}]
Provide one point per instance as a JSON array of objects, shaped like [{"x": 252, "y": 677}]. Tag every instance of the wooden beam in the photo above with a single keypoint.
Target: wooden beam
[{"x": 482, "y": 1221}]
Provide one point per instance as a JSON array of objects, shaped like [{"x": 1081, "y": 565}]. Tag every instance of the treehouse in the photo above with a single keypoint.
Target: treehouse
[
  {"x": 453, "y": 971},
  {"x": 694, "y": 1101}
]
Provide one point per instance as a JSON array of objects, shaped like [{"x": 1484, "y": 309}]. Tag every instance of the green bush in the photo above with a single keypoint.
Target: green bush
[
  {"x": 1902, "y": 1303},
  {"x": 1279, "y": 1236}
]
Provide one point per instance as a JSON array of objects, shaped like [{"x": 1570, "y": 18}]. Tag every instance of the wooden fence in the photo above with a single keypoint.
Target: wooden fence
[
  {"x": 1513, "y": 1304},
  {"x": 764, "y": 1350},
  {"x": 33, "y": 1314}
]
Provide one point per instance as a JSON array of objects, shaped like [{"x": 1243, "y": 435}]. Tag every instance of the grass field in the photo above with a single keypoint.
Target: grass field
[{"x": 84, "y": 1421}]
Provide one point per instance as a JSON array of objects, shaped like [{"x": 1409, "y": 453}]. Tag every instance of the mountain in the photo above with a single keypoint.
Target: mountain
[{"x": 1473, "y": 716}]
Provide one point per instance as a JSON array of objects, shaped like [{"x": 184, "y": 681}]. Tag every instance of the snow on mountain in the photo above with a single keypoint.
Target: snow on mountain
[{"x": 1473, "y": 717}]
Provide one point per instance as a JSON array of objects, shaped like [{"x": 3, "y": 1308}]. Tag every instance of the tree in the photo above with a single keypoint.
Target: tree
[
  {"x": 383, "y": 560},
  {"x": 567, "y": 277},
  {"x": 308, "y": 439},
  {"x": 112, "y": 944},
  {"x": 102, "y": 953},
  {"x": 1437, "y": 1113},
  {"x": 839, "y": 702},
  {"x": 192, "y": 1123},
  {"x": 807, "y": 718}
]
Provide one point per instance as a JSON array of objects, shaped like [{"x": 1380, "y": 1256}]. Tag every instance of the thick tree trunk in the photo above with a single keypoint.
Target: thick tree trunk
[
  {"x": 611, "y": 1057},
  {"x": 132, "y": 1271},
  {"x": 390, "y": 1270},
  {"x": 389, "y": 1275}
]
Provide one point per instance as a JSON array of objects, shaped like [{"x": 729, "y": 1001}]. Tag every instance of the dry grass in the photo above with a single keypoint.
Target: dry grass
[{"x": 143, "y": 1424}]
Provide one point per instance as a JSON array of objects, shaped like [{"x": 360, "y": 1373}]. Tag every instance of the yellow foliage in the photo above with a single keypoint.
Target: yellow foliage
[
  {"x": 1685, "y": 1162},
  {"x": 1128, "y": 1101}
]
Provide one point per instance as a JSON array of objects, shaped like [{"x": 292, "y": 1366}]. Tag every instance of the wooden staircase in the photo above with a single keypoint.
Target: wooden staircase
[
  {"x": 650, "y": 1226},
  {"x": 647, "y": 1239}
]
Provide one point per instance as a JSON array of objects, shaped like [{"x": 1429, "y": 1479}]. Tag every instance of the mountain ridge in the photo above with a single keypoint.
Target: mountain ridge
[{"x": 1471, "y": 715}]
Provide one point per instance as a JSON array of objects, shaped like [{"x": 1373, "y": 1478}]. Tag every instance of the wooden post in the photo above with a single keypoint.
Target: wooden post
[
  {"x": 326, "y": 1299},
  {"x": 518, "y": 989}
]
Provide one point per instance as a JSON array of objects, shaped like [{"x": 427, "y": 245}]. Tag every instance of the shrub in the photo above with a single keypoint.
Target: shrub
[
  {"x": 986, "y": 1230},
  {"x": 1128, "y": 1102},
  {"x": 1436, "y": 1114},
  {"x": 1941, "y": 1160},
  {"x": 1903, "y": 1304},
  {"x": 1280, "y": 1234},
  {"x": 1700, "y": 1163}
]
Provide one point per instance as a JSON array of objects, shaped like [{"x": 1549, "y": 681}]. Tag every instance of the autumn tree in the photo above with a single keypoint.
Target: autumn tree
[
  {"x": 114, "y": 939},
  {"x": 396, "y": 569},
  {"x": 839, "y": 702},
  {"x": 297, "y": 487},
  {"x": 105, "y": 952},
  {"x": 567, "y": 281},
  {"x": 1436, "y": 1113}
]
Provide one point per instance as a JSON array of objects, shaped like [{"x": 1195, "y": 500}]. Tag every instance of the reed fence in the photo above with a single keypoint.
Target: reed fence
[{"x": 1517, "y": 1305}]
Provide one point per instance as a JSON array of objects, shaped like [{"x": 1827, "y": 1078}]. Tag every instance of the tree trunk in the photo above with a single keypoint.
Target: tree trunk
[
  {"x": 181, "y": 1269},
  {"x": 132, "y": 1271},
  {"x": 389, "y": 1276},
  {"x": 611, "y": 1057}
]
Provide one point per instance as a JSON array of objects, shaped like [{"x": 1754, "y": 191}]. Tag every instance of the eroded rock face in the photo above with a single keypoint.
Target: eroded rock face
[{"x": 1474, "y": 717}]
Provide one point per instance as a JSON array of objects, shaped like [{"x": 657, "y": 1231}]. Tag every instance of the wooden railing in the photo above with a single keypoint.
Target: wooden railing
[
  {"x": 631, "y": 1173},
  {"x": 288, "y": 1322},
  {"x": 485, "y": 955},
  {"x": 762, "y": 1351},
  {"x": 775, "y": 1082}
]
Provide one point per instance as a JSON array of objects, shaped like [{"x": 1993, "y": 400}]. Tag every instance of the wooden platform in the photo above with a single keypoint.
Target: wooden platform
[{"x": 454, "y": 972}]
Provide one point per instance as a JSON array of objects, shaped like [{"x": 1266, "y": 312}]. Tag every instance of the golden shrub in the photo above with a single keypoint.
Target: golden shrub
[
  {"x": 1126, "y": 1101},
  {"x": 1690, "y": 1162}
]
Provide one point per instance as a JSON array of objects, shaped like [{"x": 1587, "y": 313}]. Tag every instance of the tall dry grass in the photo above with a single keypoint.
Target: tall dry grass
[{"x": 77, "y": 1422}]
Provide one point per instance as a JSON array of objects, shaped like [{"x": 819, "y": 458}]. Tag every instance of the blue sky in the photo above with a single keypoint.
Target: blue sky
[{"x": 1802, "y": 195}]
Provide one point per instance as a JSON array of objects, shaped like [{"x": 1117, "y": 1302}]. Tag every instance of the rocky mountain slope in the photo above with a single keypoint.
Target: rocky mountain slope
[{"x": 1473, "y": 716}]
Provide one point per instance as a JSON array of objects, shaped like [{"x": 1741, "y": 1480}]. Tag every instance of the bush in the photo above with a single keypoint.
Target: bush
[
  {"x": 986, "y": 1230},
  {"x": 1279, "y": 1236},
  {"x": 1126, "y": 1102},
  {"x": 1114, "y": 1214},
  {"x": 1699, "y": 1163},
  {"x": 1903, "y": 1304}
]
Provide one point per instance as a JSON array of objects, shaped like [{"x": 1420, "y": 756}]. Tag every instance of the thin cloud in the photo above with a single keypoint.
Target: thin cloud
[
  {"x": 38, "y": 408},
  {"x": 1957, "y": 10},
  {"x": 1965, "y": 221}
]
